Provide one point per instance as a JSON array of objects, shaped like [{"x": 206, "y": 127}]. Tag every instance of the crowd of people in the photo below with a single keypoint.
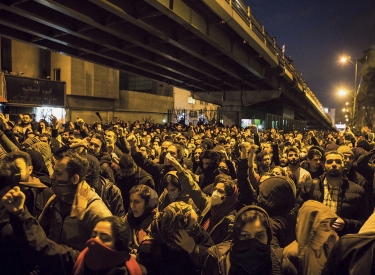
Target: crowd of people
[{"x": 132, "y": 198}]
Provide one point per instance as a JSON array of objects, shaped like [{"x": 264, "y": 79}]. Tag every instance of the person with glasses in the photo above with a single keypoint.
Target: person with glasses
[{"x": 346, "y": 198}]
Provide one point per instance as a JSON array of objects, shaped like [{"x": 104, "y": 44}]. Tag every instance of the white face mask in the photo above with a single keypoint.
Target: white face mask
[{"x": 216, "y": 198}]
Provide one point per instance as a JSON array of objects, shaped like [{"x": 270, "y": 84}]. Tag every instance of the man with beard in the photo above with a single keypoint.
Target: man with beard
[
  {"x": 131, "y": 174},
  {"x": 97, "y": 147},
  {"x": 72, "y": 213},
  {"x": 313, "y": 163},
  {"x": 25, "y": 125},
  {"x": 347, "y": 199},
  {"x": 209, "y": 167},
  {"x": 36, "y": 189},
  {"x": 300, "y": 174}
]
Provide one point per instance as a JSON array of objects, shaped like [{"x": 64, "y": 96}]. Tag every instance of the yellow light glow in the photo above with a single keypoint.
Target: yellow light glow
[{"x": 342, "y": 92}]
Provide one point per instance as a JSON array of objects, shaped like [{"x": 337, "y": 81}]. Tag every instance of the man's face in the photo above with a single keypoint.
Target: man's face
[
  {"x": 94, "y": 146},
  {"x": 267, "y": 147},
  {"x": 44, "y": 139},
  {"x": 293, "y": 158},
  {"x": 284, "y": 160},
  {"x": 348, "y": 162},
  {"x": 197, "y": 153},
  {"x": 315, "y": 162},
  {"x": 110, "y": 138},
  {"x": 25, "y": 170},
  {"x": 60, "y": 170},
  {"x": 179, "y": 128},
  {"x": 65, "y": 137},
  {"x": 26, "y": 119},
  {"x": 206, "y": 163},
  {"x": 266, "y": 161},
  {"x": 232, "y": 142},
  {"x": 165, "y": 145},
  {"x": 333, "y": 165}
]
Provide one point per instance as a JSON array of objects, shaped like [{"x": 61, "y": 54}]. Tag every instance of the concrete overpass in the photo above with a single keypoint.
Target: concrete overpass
[{"x": 216, "y": 49}]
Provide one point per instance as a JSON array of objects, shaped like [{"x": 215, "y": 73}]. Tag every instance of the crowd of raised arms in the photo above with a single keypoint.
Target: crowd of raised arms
[{"x": 132, "y": 198}]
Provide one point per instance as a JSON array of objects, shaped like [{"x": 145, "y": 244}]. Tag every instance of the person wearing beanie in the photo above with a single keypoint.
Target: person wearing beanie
[
  {"x": 314, "y": 239},
  {"x": 250, "y": 250},
  {"x": 277, "y": 195}
]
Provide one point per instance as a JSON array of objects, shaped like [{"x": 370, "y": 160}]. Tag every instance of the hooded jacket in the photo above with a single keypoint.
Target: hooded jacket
[
  {"x": 277, "y": 195},
  {"x": 190, "y": 194},
  {"x": 218, "y": 259},
  {"x": 300, "y": 252}
]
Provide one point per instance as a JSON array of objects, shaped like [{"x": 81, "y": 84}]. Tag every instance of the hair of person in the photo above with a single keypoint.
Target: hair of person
[
  {"x": 28, "y": 114},
  {"x": 8, "y": 174},
  {"x": 120, "y": 232},
  {"x": 143, "y": 191},
  {"x": 229, "y": 186},
  {"x": 76, "y": 165},
  {"x": 283, "y": 172},
  {"x": 126, "y": 162},
  {"x": 172, "y": 180},
  {"x": 114, "y": 133},
  {"x": 44, "y": 121},
  {"x": 314, "y": 152},
  {"x": 12, "y": 156},
  {"x": 334, "y": 153},
  {"x": 221, "y": 177},
  {"x": 180, "y": 151},
  {"x": 250, "y": 216},
  {"x": 261, "y": 155},
  {"x": 102, "y": 140},
  {"x": 206, "y": 154},
  {"x": 45, "y": 135},
  {"x": 292, "y": 149}
]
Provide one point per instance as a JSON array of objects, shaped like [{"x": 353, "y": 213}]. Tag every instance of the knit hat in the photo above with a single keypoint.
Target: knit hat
[
  {"x": 343, "y": 149},
  {"x": 277, "y": 194},
  {"x": 331, "y": 147}
]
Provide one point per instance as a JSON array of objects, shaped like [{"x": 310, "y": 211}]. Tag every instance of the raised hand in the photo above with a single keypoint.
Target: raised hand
[{"x": 14, "y": 200}]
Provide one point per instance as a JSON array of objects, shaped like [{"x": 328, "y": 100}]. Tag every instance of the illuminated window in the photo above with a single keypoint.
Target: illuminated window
[{"x": 191, "y": 100}]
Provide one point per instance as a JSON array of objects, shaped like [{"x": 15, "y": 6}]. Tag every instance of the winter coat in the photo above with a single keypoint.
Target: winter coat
[
  {"x": 352, "y": 205},
  {"x": 71, "y": 231}
]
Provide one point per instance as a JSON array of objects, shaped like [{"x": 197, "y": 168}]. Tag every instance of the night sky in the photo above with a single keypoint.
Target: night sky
[{"x": 315, "y": 34}]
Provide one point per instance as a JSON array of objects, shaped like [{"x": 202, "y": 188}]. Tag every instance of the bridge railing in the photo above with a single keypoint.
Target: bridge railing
[{"x": 244, "y": 12}]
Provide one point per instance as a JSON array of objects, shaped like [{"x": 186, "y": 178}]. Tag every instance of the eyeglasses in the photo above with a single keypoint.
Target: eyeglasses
[{"x": 330, "y": 161}]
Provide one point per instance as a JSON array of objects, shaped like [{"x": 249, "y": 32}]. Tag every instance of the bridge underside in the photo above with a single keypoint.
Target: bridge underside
[{"x": 182, "y": 43}]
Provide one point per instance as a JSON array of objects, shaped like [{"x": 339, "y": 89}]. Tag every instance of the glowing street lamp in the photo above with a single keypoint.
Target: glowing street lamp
[{"x": 346, "y": 59}]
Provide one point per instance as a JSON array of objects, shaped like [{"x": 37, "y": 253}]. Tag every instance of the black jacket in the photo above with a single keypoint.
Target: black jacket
[
  {"x": 126, "y": 183},
  {"x": 352, "y": 204},
  {"x": 352, "y": 254}
]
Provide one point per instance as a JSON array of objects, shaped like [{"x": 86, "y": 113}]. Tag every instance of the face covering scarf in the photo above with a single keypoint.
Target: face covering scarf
[{"x": 250, "y": 257}]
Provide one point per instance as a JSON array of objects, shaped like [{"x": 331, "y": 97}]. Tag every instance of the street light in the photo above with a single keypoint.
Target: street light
[{"x": 344, "y": 60}]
